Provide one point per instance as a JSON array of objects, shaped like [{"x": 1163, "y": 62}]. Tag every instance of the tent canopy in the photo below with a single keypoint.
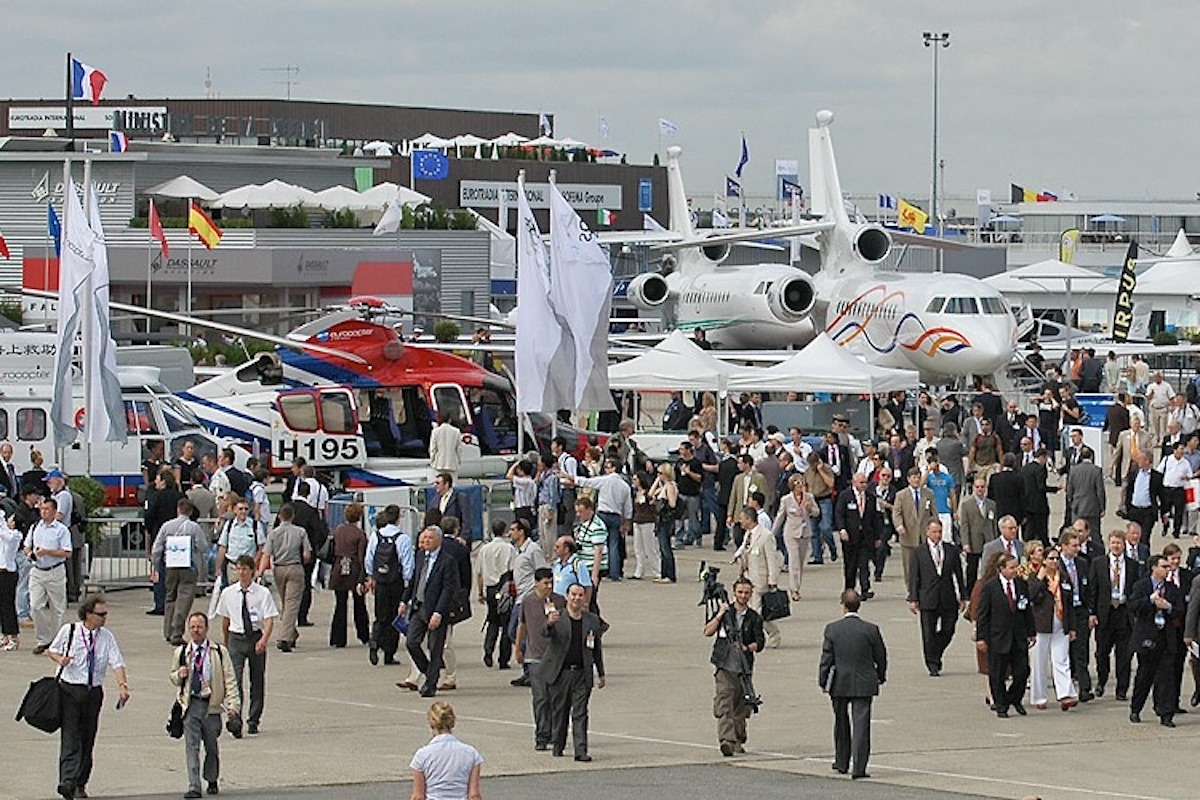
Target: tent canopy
[
  {"x": 381, "y": 194},
  {"x": 675, "y": 364},
  {"x": 183, "y": 188},
  {"x": 1048, "y": 277},
  {"x": 824, "y": 366},
  {"x": 339, "y": 198},
  {"x": 272, "y": 194}
]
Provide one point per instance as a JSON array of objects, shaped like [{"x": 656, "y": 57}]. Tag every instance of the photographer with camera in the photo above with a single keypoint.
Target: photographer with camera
[{"x": 739, "y": 632}]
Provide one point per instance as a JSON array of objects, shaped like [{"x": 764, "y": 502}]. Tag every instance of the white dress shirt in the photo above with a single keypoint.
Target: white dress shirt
[
  {"x": 258, "y": 598},
  {"x": 100, "y": 640}
]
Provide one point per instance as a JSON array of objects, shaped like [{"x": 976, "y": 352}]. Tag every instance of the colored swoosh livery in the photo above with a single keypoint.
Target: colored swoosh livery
[{"x": 941, "y": 325}]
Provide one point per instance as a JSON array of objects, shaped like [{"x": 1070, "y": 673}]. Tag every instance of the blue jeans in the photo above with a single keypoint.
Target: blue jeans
[
  {"x": 709, "y": 508},
  {"x": 24, "y": 565},
  {"x": 824, "y": 531},
  {"x": 693, "y": 534},
  {"x": 160, "y": 586},
  {"x": 662, "y": 532},
  {"x": 613, "y": 548}
]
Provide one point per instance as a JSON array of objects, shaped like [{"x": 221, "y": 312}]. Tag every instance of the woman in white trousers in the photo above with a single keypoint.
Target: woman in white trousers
[{"x": 1054, "y": 619}]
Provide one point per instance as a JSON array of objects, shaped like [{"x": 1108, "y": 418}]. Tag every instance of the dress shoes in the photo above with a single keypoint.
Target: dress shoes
[
  {"x": 1135, "y": 717},
  {"x": 521, "y": 681},
  {"x": 252, "y": 729},
  {"x": 738, "y": 749},
  {"x": 1002, "y": 713},
  {"x": 390, "y": 661},
  {"x": 304, "y": 624},
  {"x": 934, "y": 672},
  {"x": 286, "y": 647},
  {"x": 487, "y": 660},
  {"x": 447, "y": 687},
  {"x": 155, "y": 612},
  {"x": 583, "y": 757},
  {"x": 541, "y": 746},
  {"x": 839, "y": 770},
  {"x": 81, "y": 791},
  {"x": 213, "y": 788},
  {"x": 860, "y": 776},
  {"x": 1122, "y": 696},
  {"x": 815, "y": 563},
  {"x": 1100, "y": 690},
  {"x": 428, "y": 691},
  {"x": 192, "y": 793},
  {"x": 726, "y": 749},
  {"x": 37, "y": 651},
  {"x": 1020, "y": 709},
  {"x": 868, "y": 594},
  {"x": 373, "y": 656},
  {"x": 412, "y": 687},
  {"x": 1087, "y": 697},
  {"x": 67, "y": 792},
  {"x": 1181, "y": 710},
  {"x": 557, "y": 752},
  {"x": 1196, "y": 698},
  {"x": 1166, "y": 722},
  {"x": 504, "y": 666}
]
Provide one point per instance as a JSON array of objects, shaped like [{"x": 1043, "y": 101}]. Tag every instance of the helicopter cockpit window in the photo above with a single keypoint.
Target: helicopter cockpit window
[
  {"x": 449, "y": 404},
  {"x": 299, "y": 411},
  {"x": 140, "y": 419},
  {"x": 495, "y": 426},
  {"x": 336, "y": 413}
]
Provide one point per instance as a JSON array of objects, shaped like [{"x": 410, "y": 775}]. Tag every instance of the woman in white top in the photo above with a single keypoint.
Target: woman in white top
[
  {"x": 796, "y": 509},
  {"x": 10, "y": 542},
  {"x": 445, "y": 769}
]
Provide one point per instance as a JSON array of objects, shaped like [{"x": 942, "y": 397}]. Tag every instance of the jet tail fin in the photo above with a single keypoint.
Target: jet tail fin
[
  {"x": 826, "y": 188},
  {"x": 681, "y": 216}
]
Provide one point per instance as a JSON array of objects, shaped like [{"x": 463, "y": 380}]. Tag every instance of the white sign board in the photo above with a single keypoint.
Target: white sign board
[
  {"x": 486, "y": 194},
  {"x": 38, "y": 118},
  {"x": 179, "y": 551}
]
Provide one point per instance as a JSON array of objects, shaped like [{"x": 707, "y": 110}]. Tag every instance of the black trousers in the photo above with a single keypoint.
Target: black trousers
[
  {"x": 497, "y": 628},
  {"x": 80, "y": 721},
  {"x": 306, "y": 598},
  {"x": 1113, "y": 637},
  {"x": 1037, "y": 526},
  {"x": 431, "y": 665},
  {"x": 851, "y": 733},
  {"x": 8, "y": 603},
  {"x": 972, "y": 570},
  {"x": 937, "y": 629},
  {"x": 362, "y": 623},
  {"x": 999, "y": 663},
  {"x": 1155, "y": 669},
  {"x": 857, "y": 565},
  {"x": 1144, "y": 517},
  {"x": 242, "y": 653},
  {"x": 569, "y": 696},
  {"x": 1173, "y": 505},
  {"x": 387, "y": 600},
  {"x": 1080, "y": 652}
]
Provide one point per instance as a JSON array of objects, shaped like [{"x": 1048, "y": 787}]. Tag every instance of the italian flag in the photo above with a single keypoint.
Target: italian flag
[{"x": 605, "y": 217}]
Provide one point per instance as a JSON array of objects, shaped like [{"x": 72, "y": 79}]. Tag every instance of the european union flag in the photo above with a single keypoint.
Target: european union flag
[
  {"x": 430, "y": 165},
  {"x": 55, "y": 228}
]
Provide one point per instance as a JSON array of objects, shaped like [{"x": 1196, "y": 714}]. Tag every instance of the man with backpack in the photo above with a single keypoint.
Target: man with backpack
[{"x": 389, "y": 566}]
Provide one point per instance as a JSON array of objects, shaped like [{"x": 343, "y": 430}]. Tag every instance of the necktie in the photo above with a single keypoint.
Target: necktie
[
  {"x": 198, "y": 671},
  {"x": 1008, "y": 590},
  {"x": 12, "y": 478},
  {"x": 247, "y": 621},
  {"x": 917, "y": 501},
  {"x": 1116, "y": 575},
  {"x": 937, "y": 558},
  {"x": 1012, "y": 549},
  {"x": 1133, "y": 444},
  {"x": 91, "y": 653}
]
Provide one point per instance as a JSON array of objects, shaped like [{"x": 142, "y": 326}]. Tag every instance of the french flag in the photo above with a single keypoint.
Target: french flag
[
  {"x": 87, "y": 83},
  {"x": 117, "y": 142}
]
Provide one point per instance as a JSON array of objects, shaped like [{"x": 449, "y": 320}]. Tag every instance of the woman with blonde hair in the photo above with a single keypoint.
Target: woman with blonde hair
[
  {"x": 446, "y": 768},
  {"x": 1055, "y": 620},
  {"x": 645, "y": 516},
  {"x": 796, "y": 510},
  {"x": 708, "y": 412},
  {"x": 1033, "y": 560},
  {"x": 665, "y": 496}
]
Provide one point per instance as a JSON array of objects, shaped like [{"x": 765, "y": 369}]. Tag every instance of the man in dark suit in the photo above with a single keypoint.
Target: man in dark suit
[
  {"x": 853, "y": 667},
  {"x": 1135, "y": 547},
  {"x": 1074, "y": 566},
  {"x": 1107, "y": 598},
  {"x": 937, "y": 591},
  {"x": 427, "y": 601},
  {"x": 1156, "y": 605},
  {"x": 573, "y": 653},
  {"x": 10, "y": 481},
  {"x": 1086, "y": 495},
  {"x": 1003, "y": 630},
  {"x": 734, "y": 660},
  {"x": 837, "y": 456},
  {"x": 1037, "y": 507},
  {"x": 857, "y": 524},
  {"x": 455, "y": 546},
  {"x": 1010, "y": 427},
  {"x": 1143, "y": 490},
  {"x": 449, "y": 502},
  {"x": 1007, "y": 488}
]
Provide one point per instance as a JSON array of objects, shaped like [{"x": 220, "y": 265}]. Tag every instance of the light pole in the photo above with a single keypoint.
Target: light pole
[{"x": 933, "y": 40}]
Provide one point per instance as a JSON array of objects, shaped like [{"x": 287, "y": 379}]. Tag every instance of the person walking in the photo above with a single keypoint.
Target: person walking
[
  {"x": 795, "y": 521},
  {"x": 740, "y": 630},
  {"x": 853, "y": 667},
  {"x": 203, "y": 673},
  {"x": 289, "y": 550},
  {"x": 10, "y": 544},
  {"x": 664, "y": 495},
  {"x": 573, "y": 652},
  {"x": 531, "y": 645},
  {"x": 1056, "y": 622},
  {"x": 427, "y": 601},
  {"x": 911, "y": 514},
  {"x": 496, "y": 592},
  {"x": 49, "y": 545},
  {"x": 180, "y": 546},
  {"x": 760, "y": 565},
  {"x": 1003, "y": 630},
  {"x": 249, "y": 615},
  {"x": 937, "y": 592},
  {"x": 389, "y": 566},
  {"x": 347, "y": 577},
  {"x": 446, "y": 768},
  {"x": 84, "y": 652}
]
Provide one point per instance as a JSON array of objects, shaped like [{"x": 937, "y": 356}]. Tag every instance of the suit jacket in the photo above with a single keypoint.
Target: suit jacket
[
  {"x": 1146, "y": 633},
  {"x": 905, "y": 516},
  {"x": 1003, "y": 628},
  {"x": 1034, "y": 475},
  {"x": 1116, "y": 420},
  {"x": 853, "y": 658},
  {"x": 12, "y": 487},
  {"x": 975, "y": 528},
  {"x": 1192, "y": 620},
  {"x": 1042, "y": 605},
  {"x": 310, "y": 519},
  {"x": 1168, "y": 443},
  {"x": 928, "y": 589},
  {"x": 1010, "y": 430},
  {"x": 841, "y": 475},
  {"x": 441, "y": 587},
  {"x": 456, "y": 506},
  {"x": 902, "y": 459},
  {"x": 1156, "y": 487},
  {"x": 738, "y": 498},
  {"x": 1085, "y": 491},
  {"x": 462, "y": 560},
  {"x": 1123, "y": 452},
  {"x": 559, "y": 636},
  {"x": 760, "y": 558},
  {"x": 861, "y": 524},
  {"x": 1098, "y": 595},
  {"x": 1007, "y": 488},
  {"x": 222, "y": 681}
]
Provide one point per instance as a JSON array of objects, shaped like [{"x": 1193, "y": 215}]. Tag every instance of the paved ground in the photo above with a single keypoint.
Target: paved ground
[{"x": 333, "y": 719}]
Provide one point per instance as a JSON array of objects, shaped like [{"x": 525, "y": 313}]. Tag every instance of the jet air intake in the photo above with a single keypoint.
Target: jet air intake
[
  {"x": 716, "y": 252},
  {"x": 872, "y": 244},
  {"x": 648, "y": 290},
  {"x": 792, "y": 299}
]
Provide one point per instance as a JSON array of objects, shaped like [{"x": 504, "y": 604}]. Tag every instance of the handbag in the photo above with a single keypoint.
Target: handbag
[
  {"x": 175, "y": 722},
  {"x": 42, "y": 705},
  {"x": 325, "y": 551},
  {"x": 775, "y": 605}
]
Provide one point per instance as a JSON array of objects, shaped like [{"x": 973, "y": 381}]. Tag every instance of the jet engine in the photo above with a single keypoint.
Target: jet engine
[
  {"x": 715, "y": 252},
  {"x": 872, "y": 244},
  {"x": 792, "y": 299},
  {"x": 648, "y": 290}
]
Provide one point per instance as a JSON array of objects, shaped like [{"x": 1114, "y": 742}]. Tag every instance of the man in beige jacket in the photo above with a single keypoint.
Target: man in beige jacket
[
  {"x": 911, "y": 513},
  {"x": 202, "y": 671},
  {"x": 760, "y": 564}
]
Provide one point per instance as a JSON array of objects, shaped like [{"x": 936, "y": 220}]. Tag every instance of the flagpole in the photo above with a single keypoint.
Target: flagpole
[
  {"x": 411, "y": 179},
  {"x": 189, "y": 272},
  {"x": 86, "y": 317},
  {"x": 149, "y": 271},
  {"x": 70, "y": 106}
]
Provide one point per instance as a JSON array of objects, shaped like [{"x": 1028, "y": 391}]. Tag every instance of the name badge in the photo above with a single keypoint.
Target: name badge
[
  {"x": 852, "y": 506},
  {"x": 255, "y": 620},
  {"x": 1022, "y": 603},
  {"x": 896, "y": 473},
  {"x": 991, "y": 515},
  {"x": 590, "y": 641}
]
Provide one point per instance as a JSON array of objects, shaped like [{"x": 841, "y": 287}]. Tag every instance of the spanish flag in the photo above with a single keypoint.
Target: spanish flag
[
  {"x": 200, "y": 224},
  {"x": 909, "y": 216}
]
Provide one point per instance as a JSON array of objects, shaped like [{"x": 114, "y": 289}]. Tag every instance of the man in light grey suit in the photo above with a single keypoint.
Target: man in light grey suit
[
  {"x": 977, "y": 527},
  {"x": 1085, "y": 494},
  {"x": 853, "y": 667},
  {"x": 1007, "y": 542}
]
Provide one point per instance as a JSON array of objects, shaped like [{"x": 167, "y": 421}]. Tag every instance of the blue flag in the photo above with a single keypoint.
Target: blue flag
[
  {"x": 788, "y": 188},
  {"x": 745, "y": 159},
  {"x": 55, "y": 228},
  {"x": 430, "y": 165},
  {"x": 732, "y": 187}
]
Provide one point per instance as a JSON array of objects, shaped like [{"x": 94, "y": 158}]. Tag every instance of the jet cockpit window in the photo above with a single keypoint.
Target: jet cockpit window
[
  {"x": 337, "y": 416},
  {"x": 962, "y": 305},
  {"x": 299, "y": 411},
  {"x": 993, "y": 305},
  {"x": 935, "y": 305}
]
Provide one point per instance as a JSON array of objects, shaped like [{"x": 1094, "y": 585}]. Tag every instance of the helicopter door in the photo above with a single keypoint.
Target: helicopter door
[{"x": 320, "y": 425}]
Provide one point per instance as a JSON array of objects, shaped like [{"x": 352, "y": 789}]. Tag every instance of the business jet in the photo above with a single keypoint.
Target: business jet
[{"x": 942, "y": 325}]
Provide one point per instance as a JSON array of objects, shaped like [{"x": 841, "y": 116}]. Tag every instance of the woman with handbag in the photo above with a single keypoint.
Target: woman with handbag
[
  {"x": 1055, "y": 621},
  {"x": 665, "y": 496},
  {"x": 347, "y": 575},
  {"x": 796, "y": 510},
  {"x": 645, "y": 516}
]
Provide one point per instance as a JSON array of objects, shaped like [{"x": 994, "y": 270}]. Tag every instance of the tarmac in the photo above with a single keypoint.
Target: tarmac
[{"x": 332, "y": 720}]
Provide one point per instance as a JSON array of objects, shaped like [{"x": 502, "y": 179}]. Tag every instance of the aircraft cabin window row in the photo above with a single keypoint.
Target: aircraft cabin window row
[
  {"x": 880, "y": 310},
  {"x": 709, "y": 297}
]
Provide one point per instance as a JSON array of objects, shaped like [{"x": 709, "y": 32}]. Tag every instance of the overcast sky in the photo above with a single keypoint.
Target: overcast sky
[{"x": 1098, "y": 98}]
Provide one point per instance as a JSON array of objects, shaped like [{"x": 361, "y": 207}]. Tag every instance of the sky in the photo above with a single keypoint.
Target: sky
[{"x": 1092, "y": 97}]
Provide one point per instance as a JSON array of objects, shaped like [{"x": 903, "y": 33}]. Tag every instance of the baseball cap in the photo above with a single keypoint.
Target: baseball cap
[{"x": 55, "y": 473}]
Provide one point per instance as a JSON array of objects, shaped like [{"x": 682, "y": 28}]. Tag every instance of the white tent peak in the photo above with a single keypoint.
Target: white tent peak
[{"x": 1181, "y": 247}]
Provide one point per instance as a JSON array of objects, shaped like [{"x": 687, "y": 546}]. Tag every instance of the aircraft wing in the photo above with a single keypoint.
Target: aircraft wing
[
  {"x": 905, "y": 237},
  {"x": 634, "y": 237},
  {"x": 749, "y": 235}
]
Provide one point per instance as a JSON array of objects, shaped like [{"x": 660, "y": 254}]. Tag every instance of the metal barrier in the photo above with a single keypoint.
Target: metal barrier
[{"x": 117, "y": 560}]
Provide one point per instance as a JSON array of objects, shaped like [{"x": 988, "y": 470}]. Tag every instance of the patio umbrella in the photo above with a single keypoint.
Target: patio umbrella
[{"x": 183, "y": 188}]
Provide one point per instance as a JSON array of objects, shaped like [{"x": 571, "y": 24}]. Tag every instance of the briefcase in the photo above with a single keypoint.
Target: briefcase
[
  {"x": 775, "y": 605},
  {"x": 42, "y": 706}
]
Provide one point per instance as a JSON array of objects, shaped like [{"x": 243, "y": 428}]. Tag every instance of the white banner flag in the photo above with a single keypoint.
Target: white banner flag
[
  {"x": 667, "y": 128},
  {"x": 540, "y": 387},
  {"x": 581, "y": 293},
  {"x": 74, "y": 268},
  {"x": 390, "y": 221},
  {"x": 106, "y": 409}
]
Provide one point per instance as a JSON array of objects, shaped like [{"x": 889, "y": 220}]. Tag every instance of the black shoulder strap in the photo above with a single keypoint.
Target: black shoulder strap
[{"x": 70, "y": 642}]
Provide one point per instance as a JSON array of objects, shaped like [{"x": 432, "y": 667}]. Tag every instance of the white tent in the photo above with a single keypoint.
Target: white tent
[
  {"x": 340, "y": 198},
  {"x": 378, "y": 149},
  {"x": 273, "y": 194},
  {"x": 1049, "y": 277},
  {"x": 432, "y": 141},
  {"x": 823, "y": 366},
  {"x": 183, "y": 188},
  {"x": 675, "y": 364},
  {"x": 380, "y": 195},
  {"x": 510, "y": 139}
]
